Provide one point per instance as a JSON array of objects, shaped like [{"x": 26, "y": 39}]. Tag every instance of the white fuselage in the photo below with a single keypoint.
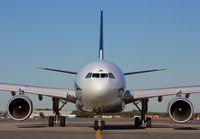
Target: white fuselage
[{"x": 100, "y": 87}]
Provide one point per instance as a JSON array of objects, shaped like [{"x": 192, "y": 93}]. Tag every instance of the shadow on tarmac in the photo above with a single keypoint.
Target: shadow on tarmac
[
  {"x": 33, "y": 126},
  {"x": 185, "y": 128},
  {"x": 110, "y": 127},
  {"x": 121, "y": 127},
  {"x": 132, "y": 127}
]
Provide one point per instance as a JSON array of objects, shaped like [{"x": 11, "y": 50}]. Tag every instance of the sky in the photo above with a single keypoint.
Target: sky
[{"x": 64, "y": 34}]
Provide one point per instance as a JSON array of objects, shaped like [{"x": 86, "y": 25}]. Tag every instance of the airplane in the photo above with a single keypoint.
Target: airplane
[{"x": 100, "y": 87}]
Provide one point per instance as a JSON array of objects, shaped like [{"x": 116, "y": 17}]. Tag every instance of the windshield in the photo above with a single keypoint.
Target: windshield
[{"x": 100, "y": 75}]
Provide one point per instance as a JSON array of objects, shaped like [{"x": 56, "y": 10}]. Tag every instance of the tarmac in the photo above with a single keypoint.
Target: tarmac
[{"x": 82, "y": 128}]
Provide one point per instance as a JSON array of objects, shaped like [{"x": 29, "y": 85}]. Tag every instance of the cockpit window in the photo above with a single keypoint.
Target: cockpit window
[
  {"x": 111, "y": 76},
  {"x": 104, "y": 75},
  {"x": 95, "y": 75},
  {"x": 100, "y": 75},
  {"x": 88, "y": 75}
]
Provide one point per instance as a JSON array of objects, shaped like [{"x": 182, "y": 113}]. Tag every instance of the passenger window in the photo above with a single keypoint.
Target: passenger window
[
  {"x": 104, "y": 75},
  {"x": 95, "y": 75},
  {"x": 111, "y": 76},
  {"x": 88, "y": 75}
]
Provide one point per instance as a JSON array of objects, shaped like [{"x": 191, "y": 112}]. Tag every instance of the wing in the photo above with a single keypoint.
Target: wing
[
  {"x": 145, "y": 71},
  {"x": 131, "y": 95},
  {"x": 64, "y": 71},
  {"x": 51, "y": 92}
]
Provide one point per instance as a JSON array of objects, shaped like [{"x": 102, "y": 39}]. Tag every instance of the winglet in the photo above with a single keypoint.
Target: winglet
[{"x": 101, "y": 55}]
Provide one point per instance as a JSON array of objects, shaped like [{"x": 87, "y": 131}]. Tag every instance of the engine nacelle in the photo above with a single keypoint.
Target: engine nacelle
[
  {"x": 180, "y": 109},
  {"x": 19, "y": 107}
]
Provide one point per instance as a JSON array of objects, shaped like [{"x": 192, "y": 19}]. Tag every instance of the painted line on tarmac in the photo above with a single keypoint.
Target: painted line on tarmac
[{"x": 98, "y": 134}]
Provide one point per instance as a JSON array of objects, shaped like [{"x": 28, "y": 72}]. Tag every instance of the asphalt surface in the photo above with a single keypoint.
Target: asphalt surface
[{"x": 82, "y": 128}]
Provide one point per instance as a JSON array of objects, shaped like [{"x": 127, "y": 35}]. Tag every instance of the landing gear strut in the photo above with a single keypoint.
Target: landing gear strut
[
  {"x": 144, "y": 121},
  {"x": 57, "y": 118},
  {"x": 99, "y": 123}
]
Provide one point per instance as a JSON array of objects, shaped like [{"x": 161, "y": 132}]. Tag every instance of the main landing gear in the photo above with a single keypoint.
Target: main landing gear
[
  {"x": 99, "y": 123},
  {"x": 57, "y": 118},
  {"x": 144, "y": 121}
]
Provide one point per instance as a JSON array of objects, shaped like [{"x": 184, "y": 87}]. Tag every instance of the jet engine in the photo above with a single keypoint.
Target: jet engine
[
  {"x": 180, "y": 109},
  {"x": 19, "y": 107}
]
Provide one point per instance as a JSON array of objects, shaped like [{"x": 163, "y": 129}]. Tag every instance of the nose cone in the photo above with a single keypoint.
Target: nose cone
[
  {"x": 95, "y": 95},
  {"x": 101, "y": 92},
  {"x": 100, "y": 87},
  {"x": 100, "y": 95}
]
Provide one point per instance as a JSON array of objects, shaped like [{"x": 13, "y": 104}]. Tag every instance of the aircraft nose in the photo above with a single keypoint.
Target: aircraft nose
[
  {"x": 101, "y": 87},
  {"x": 98, "y": 89}
]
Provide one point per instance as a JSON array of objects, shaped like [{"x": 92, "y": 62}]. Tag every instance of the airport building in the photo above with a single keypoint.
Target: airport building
[{"x": 47, "y": 113}]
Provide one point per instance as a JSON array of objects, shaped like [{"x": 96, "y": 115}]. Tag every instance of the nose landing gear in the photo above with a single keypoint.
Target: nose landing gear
[{"x": 99, "y": 123}]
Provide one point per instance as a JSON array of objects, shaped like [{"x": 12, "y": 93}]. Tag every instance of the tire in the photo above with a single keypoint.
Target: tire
[
  {"x": 51, "y": 121},
  {"x": 103, "y": 124},
  {"x": 62, "y": 121},
  {"x": 137, "y": 122},
  {"x": 148, "y": 122},
  {"x": 96, "y": 127}
]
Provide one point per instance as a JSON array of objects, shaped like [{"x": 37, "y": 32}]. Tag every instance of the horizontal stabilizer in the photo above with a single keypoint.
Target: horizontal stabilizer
[
  {"x": 64, "y": 71},
  {"x": 139, "y": 72}
]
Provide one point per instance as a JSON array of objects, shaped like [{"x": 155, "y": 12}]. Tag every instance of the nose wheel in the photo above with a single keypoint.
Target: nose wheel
[{"x": 99, "y": 123}]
